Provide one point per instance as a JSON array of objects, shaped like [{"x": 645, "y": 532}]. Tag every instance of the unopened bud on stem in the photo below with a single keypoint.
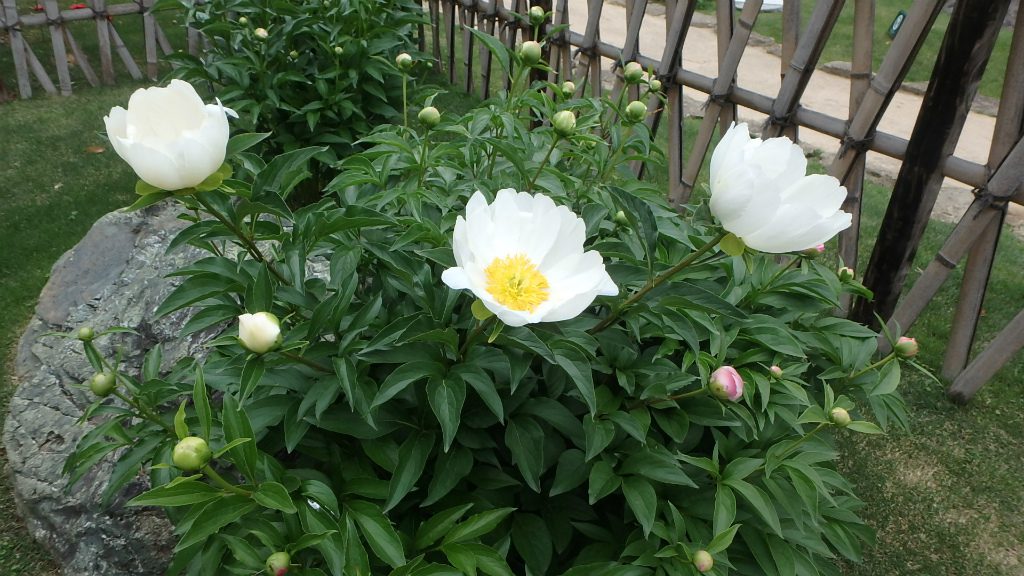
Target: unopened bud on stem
[
  {"x": 103, "y": 384},
  {"x": 564, "y": 123},
  {"x": 404, "y": 62},
  {"x": 429, "y": 117},
  {"x": 703, "y": 561},
  {"x": 530, "y": 52},
  {"x": 633, "y": 73},
  {"x": 278, "y": 563},
  {"x": 840, "y": 417},
  {"x": 191, "y": 453},
  {"x": 906, "y": 347}
]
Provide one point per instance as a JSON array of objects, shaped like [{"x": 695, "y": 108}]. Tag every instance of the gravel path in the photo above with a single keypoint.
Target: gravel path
[{"x": 827, "y": 92}]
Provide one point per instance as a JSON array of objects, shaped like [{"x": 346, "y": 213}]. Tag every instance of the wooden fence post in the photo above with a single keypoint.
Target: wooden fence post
[{"x": 965, "y": 50}]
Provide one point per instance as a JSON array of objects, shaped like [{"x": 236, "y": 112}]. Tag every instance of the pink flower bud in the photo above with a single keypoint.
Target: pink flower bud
[
  {"x": 726, "y": 384},
  {"x": 814, "y": 252},
  {"x": 776, "y": 372},
  {"x": 703, "y": 561},
  {"x": 906, "y": 347}
]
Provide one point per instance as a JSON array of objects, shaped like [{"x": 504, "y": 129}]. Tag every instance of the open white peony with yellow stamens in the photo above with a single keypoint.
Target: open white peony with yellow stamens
[{"x": 523, "y": 257}]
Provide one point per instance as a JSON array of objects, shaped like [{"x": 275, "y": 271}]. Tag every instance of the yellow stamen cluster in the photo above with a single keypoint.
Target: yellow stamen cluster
[{"x": 515, "y": 282}]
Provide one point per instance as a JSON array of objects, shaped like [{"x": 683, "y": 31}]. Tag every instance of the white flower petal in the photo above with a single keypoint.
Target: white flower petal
[
  {"x": 762, "y": 195},
  {"x": 151, "y": 165},
  {"x": 456, "y": 279}
]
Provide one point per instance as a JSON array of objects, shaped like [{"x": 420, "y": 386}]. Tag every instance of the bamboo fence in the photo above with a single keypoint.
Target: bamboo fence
[
  {"x": 576, "y": 50},
  {"x": 66, "y": 48}
]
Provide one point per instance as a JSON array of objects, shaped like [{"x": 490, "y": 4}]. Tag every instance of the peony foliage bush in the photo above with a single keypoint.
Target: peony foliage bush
[{"x": 490, "y": 349}]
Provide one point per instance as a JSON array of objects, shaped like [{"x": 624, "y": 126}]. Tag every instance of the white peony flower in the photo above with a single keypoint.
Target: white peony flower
[
  {"x": 523, "y": 257},
  {"x": 168, "y": 136},
  {"x": 761, "y": 193},
  {"x": 259, "y": 332}
]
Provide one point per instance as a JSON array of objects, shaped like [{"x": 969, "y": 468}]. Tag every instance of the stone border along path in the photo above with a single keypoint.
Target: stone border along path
[{"x": 827, "y": 92}]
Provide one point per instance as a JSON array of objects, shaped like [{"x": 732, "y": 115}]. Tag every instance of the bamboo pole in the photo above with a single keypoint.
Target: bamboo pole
[
  {"x": 99, "y": 8},
  {"x": 18, "y": 52},
  {"x": 860, "y": 79},
  {"x": 122, "y": 52},
  {"x": 630, "y": 47},
  {"x": 716, "y": 104},
  {"x": 487, "y": 23},
  {"x": 38, "y": 70},
  {"x": 1009, "y": 128},
  {"x": 790, "y": 40},
  {"x": 588, "y": 69},
  {"x": 149, "y": 33},
  {"x": 467, "y": 18},
  {"x": 670, "y": 63},
  {"x": 435, "y": 32},
  {"x": 81, "y": 59},
  {"x": 968, "y": 43},
  {"x": 725, "y": 28},
  {"x": 801, "y": 66},
  {"x": 60, "y": 51},
  {"x": 861, "y": 132},
  {"x": 1005, "y": 345}
]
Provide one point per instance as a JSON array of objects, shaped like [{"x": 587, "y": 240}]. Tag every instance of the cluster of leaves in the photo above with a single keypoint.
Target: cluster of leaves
[
  {"x": 324, "y": 74},
  {"x": 395, "y": 432}
]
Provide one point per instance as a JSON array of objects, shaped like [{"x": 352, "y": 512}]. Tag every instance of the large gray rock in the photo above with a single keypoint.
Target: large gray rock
[{"x": 114, "y": 277}]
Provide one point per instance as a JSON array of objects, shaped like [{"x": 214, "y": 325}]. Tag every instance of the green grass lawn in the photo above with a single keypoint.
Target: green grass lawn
[
  {"x": 945, "y": 499},
  {"x": 840, "y": 44},
  {"x": 55, "y": 187}
]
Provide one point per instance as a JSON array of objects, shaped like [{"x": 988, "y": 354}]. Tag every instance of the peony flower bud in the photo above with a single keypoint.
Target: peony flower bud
[
  {"x": 338, "y": 50},
  {"x": 845, "y": 274},
  {"x": 620, "y": 219},
  {"x": 243, "y": 20},
  {"x": 259, "y": 332},
  {"x": 636, "y": 111},
  {"x": 633, "y": 73},
  {"x": 568, "y": 89},
  {"x": 530, "y": 52},
  {"x": 278, "y": 563},
  {"x": 293, "y": 54},
  {"x": 564, "y": 123},
  {"x": 429, "y": 116},
  {"x": 537, "y": 15},
  {"x": 404, "y": 62},
  {"x": 812, "y": 253},
  {"x": 703, "y": 561},
  {"x": 655, "y": 85},
  {"x": 840, "y": 417},
  {"x": 726, "y": 384},
  {"x": 191, "y": 453},
  {"x": 776, "y": 372},
  {"x": 86, "y": 334},
  {"x": 905, "y": 347},
  {"x": 103, "y": 384},
  {"x": 169, "y": 137},
  {"x": 260, "y": 33}
]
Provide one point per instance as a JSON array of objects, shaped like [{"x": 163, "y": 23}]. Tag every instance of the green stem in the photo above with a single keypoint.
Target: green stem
[
  {"x": 405, "y": 100},
  {"x": 474, "y": 335},
  {"x": 220, "y": 481},
  {"x": 778, "y": 274},
  {"x": 144, "y": 412},
  {"x": 672, "y": 398},
  {"x": 655, "y": 282},
  {"x": 423, "y": 161},
  {"x": 879, "y": 364},
  {"x": 244, "y": 238},
  {"x": 307, "y": 362},
  {"x": 543, "y": 163}
]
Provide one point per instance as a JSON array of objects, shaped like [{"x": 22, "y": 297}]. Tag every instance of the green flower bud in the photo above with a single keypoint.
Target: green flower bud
[
  {"x": 530, "y": 52},
  {"x": 537, "y": 15},
  {"x": 339, "y": 50},
  {"x": 776, "y": 372},
  {"x": 278, "y": 563},
  {"x": 260, "y": 33},
  {"x": 564, "y": 123},
  {"x": 633, "y": 73},
  {"x": 86, "y": 334},
  {"x": 404, "y": 62},
  {"x": 906, "y": 347},
  {"x": 703, "y": 561},
  {"x": 840, "y": 417},
  {"x": 636, "y": 111},
  {"x": 845, "y": 274},
  {"x": 103, "y": 384},
  {"x": 655, "y": 85},
  {"x": 620, "y": 219},
  {"x": 243, "y": 20},
  {"x": 191, "y": 453},
  {"x": 568, "y": 89},
  {"x": 429, "y": 116},
  {"x": 293, "y": 54}
]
